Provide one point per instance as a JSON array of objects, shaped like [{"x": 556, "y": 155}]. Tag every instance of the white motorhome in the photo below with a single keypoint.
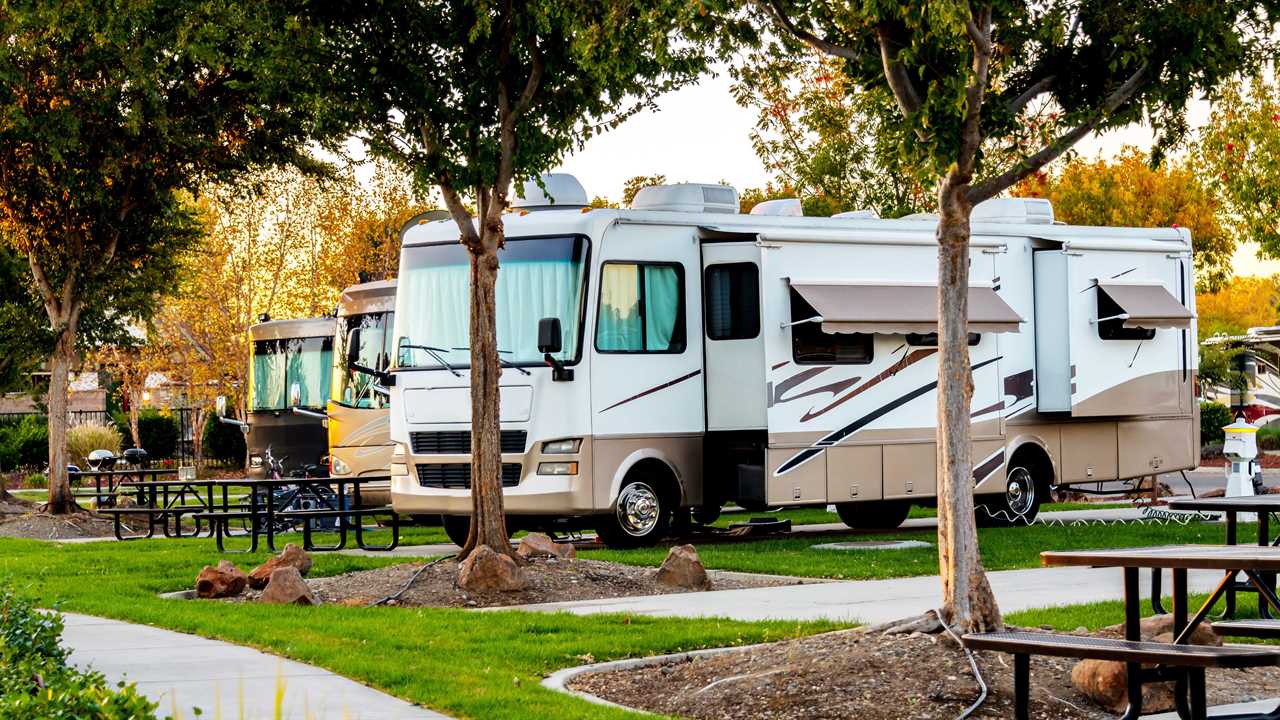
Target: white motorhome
[
  {"x": 703, "y": 357},
  {"x": 1257, "y": 358}
]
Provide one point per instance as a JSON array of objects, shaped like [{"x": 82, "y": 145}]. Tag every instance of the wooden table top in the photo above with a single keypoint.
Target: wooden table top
[
  {"x": 1244, "y": 503},
  {"x": 1190, "y": 557}
]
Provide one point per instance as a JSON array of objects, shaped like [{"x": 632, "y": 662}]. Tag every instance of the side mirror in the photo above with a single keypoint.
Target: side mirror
[
  {"x": 220, "y": 405},
  {"x": 549, "y": 335},
  {"x": 295, "y": 394},
  {"x": 353, "y": 346}
]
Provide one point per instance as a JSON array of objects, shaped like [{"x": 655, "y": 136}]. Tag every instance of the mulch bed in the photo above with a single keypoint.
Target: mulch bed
[
  {"x": 550, "y": 580},
  {"x": 866, "y": 675}
]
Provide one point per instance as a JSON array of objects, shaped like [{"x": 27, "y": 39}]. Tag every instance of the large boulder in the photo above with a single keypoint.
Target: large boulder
[
  {"x": 485, "y": 570},
  {"x": 224, "y": 581},
  {"x": 1105, "y": 681},
  {"x": 683, "y": 569},
  {"x": 292, "y": 556},
  {"x": 539, "y": 545},
  {"x": 286, "y": 587}
]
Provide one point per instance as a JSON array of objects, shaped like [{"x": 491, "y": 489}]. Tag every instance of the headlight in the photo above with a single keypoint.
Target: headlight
[
  {"x": 337, "y": 467},
  {"x": 255, "y": 461},
  {"x": 558, "y": 468},
  {"x": 562, "y": 447}
]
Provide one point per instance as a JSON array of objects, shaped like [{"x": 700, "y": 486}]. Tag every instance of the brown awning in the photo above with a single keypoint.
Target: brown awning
[
  {"x": 1147, "y": 305},
  {"x": 900, "y": 309}
]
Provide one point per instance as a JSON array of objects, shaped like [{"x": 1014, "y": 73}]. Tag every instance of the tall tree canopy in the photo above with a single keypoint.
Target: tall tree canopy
[
  {"x": 963, "y": 76},
  {"x": 1129, "y": 192},
  {"x": 111, "y": 113},
  {"x": 471, "y": 95}
]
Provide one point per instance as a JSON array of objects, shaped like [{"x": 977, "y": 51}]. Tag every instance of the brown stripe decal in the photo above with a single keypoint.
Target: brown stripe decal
[
  {"x": 987, "y": 409},
  {"x": 984, "y": 470},
  {"x": 909, "y": 359},
  {"x": 654, "y": 389}
]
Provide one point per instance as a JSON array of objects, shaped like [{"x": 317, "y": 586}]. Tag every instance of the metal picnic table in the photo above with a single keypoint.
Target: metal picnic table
[
  {"x": 114, "y": 479},
  {"x": 1251, "y": 560},
  {"x": 1231, "y": 507}
]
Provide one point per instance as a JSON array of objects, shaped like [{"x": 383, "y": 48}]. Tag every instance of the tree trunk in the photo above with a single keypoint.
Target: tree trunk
[
  {"x": 135, "y": 409},
  {"x": 967, "y": 598},
  {"x": 197, "y": 434},
  {"x": 488, "y": 523},
  {"x": 61, "y": 500}
]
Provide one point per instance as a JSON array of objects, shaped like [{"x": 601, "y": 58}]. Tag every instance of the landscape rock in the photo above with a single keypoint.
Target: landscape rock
[
  {"x": 538, "y": 544},
  {"x": 485, "y": 570},
  {"x": 683, "y": 569},
  {"x": 292, "y": 556},
  {"x": 286, "y": 587},
  {"x": 1104, "y": 681},
  {"x": 224, "y": 581}
]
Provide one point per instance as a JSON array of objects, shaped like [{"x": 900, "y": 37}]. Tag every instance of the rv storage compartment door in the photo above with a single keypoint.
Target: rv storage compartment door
[{"x": 1112, "y": 333}]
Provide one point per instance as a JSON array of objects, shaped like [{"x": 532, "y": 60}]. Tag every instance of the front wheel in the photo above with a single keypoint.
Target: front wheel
[
  {"x": 1020, "y": 503},
  {"x": 640, "y": 518},
  {"x": 457, "y": 527},
  {"x": 874, "y": 515}
]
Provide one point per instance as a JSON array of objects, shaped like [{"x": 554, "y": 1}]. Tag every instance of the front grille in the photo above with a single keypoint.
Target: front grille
[
  {"x": 458, "y": 442},
  {"x": 457, "y": 476}
]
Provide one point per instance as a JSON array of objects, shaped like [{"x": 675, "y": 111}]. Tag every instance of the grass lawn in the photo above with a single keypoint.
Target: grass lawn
[
  {"x": 1002, "y": 549},
  {"x": 467, "y": 664},
  {"x": 1111, "y": 612},
  {"x": 819, "y": 516}
]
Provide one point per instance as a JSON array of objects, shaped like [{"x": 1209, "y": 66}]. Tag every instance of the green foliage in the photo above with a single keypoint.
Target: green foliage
[
  {"x": 1239, "y": 154},
  {"x": 24, "y": 334},
  {"x": 37, "y": 682},
  {"x": 24, "y": 443},
  {"x": 222, "y": 441},
  {"x": 824, "y": 141},
  {"x": 1213, "y": 417},
  {"x": 157, "y": 432},
  {"x": 84, "y": 439},
  {"x": 1269, "y": 438}
]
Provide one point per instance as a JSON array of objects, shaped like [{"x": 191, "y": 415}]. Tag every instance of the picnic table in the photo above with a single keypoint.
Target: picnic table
[
  {"x": 270, "y": 506},
  {"x": 1231, "y": 507},
  {"x": 1232, "y": 560},
  {"x": 114, "y": 479}
]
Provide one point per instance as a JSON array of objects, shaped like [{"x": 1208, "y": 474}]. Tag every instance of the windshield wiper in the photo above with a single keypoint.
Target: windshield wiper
[
  {"x": 434, "y": 352},
  {"x": 503, "y": 363}
]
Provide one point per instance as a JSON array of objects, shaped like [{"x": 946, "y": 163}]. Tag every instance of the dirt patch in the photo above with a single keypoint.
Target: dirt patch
[
  {"x": 22, "y": 519},
  {"x": 550, "y": 580},
  {"x": 854, "y": 674}
]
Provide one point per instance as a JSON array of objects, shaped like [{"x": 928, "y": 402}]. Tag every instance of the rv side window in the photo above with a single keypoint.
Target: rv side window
[
  {"x": 811, "y": 346},
  {"x": 1115, "y": 329},
  {"x": 641, "y": 308},
  {"x": 931, "y": 339},
  {"x": 733, "y": 301}
]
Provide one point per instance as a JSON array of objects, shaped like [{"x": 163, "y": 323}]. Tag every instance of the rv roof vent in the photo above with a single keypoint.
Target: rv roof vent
[
  {"x": 782, "y": 207},
  {"x": 563, "y": 191},
  {"x": 858, "y": 215},
  {"x": 1020, "y": 211},
  {"x": 687, "y": 197}
]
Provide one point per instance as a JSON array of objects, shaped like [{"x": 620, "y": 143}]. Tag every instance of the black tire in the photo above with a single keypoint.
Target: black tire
[
  {"x": 457, "y": 527},
  {"x": 1019, "y": 504},
  {"x": 875, "y": 515},
  {"x": 426, "y": 520},
  {"x": 641, "y": 517}
]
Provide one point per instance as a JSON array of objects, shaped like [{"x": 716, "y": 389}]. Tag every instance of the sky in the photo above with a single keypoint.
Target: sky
[{"x": 699, "y": 134}]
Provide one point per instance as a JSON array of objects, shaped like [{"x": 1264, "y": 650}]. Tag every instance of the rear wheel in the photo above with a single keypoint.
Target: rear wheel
[
  {"x": 1020, "y": 503},
  {"x": 640, "y": 518},
  {"x": 876, "y": 515}
]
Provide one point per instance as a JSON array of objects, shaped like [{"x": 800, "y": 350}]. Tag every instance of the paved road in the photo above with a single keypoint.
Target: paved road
[{"x": 181, "y": 672}]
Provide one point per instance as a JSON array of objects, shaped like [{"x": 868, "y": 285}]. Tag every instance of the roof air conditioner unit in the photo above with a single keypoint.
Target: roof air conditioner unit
[
  {"x": 782, "y": 207},
  {"x": 563, "y": 191},
  {"x": 1018, "y": 211},
  {"x": 687, "y": 197},
  {"x": 858, "y": 215}
]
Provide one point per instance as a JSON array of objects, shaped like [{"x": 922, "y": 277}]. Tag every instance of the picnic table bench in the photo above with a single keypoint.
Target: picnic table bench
[{"x": 1178, "y": 661}]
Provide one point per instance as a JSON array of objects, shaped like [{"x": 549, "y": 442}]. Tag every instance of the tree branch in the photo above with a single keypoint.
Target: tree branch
[
  {"x": 979, "y": 29},
  {"x": 1034, "y": 91},
  {"x": 1007, "y": 179},
  {"x": 820, "y": 44},
  {"x": 897, "y": 75}
]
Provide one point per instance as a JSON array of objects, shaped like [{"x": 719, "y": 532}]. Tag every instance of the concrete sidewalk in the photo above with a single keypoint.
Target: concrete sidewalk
[
  {"x": 226, "y": 681},
  {"x": 876, "y": 601}
]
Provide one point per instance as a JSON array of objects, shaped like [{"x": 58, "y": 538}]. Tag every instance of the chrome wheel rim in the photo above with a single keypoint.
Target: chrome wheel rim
[
  {"x": 1020, "y": 493},
  {"x": 638, "y": 509}
]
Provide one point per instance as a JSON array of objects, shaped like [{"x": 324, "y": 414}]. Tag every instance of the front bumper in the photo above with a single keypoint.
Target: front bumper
[{"x": 560, "y": 495}]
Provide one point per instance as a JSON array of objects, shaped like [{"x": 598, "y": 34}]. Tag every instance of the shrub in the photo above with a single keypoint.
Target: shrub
[
  {"x": 24, "y": 443},
  {"x": 35, "y": 481},
  {"x": 1269, "y": 438},
  {"x": 37, "y": 683},
  {"x": 1212, "y": 417},
  {"x": 84, "y": 439},
  {"x": 157, "y": 432},
  {"x": 223, "y": 442}
]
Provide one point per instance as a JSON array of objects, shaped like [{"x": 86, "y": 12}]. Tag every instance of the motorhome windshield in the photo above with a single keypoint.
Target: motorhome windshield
[
  {"x": 279, "y": 364},
  {"x": 372, "y": 350},
  {"x": 537, "y": 278}
]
